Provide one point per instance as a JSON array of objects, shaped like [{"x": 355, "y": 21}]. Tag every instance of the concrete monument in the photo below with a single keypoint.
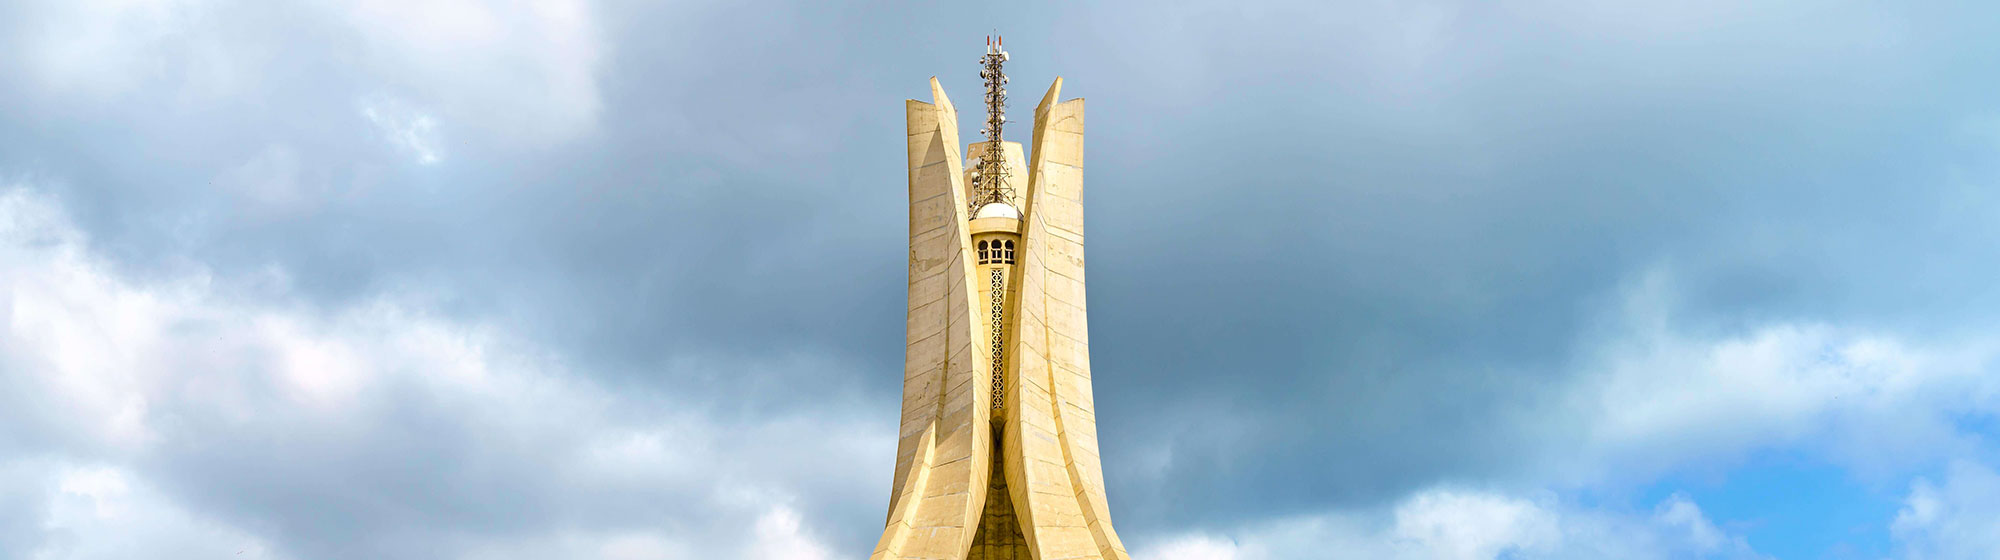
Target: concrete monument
[{"x": 997, "y": 458}]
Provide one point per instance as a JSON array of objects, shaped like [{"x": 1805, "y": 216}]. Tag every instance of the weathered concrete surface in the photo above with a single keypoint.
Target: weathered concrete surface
[
  {"x": 1046, "y": 461},
  {"x": 944, "y": 451}
]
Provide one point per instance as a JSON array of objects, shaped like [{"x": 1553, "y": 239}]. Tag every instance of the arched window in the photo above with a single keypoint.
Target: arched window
[
  {"x": 1009, "y": 257},
  {"x": 982, "y": 252}
]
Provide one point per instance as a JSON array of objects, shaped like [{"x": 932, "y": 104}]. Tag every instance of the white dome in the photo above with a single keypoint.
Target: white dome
[{"x": 997, "y": 210}]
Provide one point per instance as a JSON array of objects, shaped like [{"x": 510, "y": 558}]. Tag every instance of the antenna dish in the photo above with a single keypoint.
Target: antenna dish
[{"x": 989, "y": 179}]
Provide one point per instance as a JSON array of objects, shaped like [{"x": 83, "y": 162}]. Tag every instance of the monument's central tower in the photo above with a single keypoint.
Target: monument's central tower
[{"x": 997, "y": 458}]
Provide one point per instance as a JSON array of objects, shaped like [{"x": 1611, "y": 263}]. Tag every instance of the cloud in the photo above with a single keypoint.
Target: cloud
[
  {"x": 102, "y": 512},
  {"x": 527, "y": 69},
  {"x": 405, "y": 127},
  {"x": 1958, "y": 518},
  {"x": 778, "y": 536},
  {"x": 1443, "y": 523},
  {"x": 181, "y": 414},
  {"x": 1654, "y": 388},
  {"x": 106, "y": 47},
  {"x": 1654, "y": 393},
  {"x": 271, "y": 185},
  {"x": 522, "y": 72},
  {"x": 1359, "y": 262},
  {"x": 1464, "y": 526},
  {"x": 1659, "y": 394},
  {"x": 1196, "y": 547}
]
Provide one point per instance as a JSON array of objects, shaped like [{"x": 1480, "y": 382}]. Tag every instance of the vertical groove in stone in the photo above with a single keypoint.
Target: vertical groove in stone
[
  {"x": 1013, "y": 475},
  {"x": 999, "y": 535}
]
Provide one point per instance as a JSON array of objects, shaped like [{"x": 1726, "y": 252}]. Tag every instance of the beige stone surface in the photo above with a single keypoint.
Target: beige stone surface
[
  {"x": 1038, "y": 491},
  {"x": 944, "y": 453},
  {"x": 1054, "y": 236}
]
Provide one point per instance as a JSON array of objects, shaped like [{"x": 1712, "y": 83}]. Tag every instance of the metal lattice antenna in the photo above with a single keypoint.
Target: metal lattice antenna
[{"x": 989, "y": 182}]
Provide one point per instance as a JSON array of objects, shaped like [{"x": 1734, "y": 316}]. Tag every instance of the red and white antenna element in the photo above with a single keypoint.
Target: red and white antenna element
[{"x": 989, "y": 179}]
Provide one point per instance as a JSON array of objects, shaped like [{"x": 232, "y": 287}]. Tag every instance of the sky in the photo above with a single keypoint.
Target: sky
[{"x": 624, "y": 280}]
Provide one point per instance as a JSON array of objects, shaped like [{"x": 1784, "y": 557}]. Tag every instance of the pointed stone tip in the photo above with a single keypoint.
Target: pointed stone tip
[
  {"x": 938, "y": 97},
  {"x": 1055, "y": 91}
]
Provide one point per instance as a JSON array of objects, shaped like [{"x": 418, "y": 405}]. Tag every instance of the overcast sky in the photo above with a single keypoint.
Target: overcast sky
[{"x": 622, "y": 279}]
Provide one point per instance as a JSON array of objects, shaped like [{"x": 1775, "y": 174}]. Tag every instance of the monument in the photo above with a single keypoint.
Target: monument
[{"x": 997, "y": 456}]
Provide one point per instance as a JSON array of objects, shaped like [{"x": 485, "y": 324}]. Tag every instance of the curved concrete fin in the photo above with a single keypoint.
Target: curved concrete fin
[
  {"x": 1055, "y": 92},
  {"x": 942, "y": 456},
  {"x": 1035, "y": 142},
  {"x": 947, "y": 125},
  {"x": 1075, "y": 520},
  {"x": 1050, "y": 473}
]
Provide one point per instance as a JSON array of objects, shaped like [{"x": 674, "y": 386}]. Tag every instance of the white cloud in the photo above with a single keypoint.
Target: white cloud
[
  {"x": 522, "y": 71},
  {"x": 273, "y": 185},
  {"x": 1455, "y": 524},
  {"x": 125, "y": 376},
  {"x": 102, "y": 512},
  {"x": 1195, "y": 547},
  {"x": 102, "y": 47},
  {"x": 1655, "y": 395},
  {"x": 525, "y": 68},
  {"x": 1958, "y": 519},
  {"x": 779, "y": 536},
  {"x": 405, "y": 127},
  {"x": 1658, "y": 395},
  {"x": 1467, "y": 526},
  {"x": 632, "y": 545}
]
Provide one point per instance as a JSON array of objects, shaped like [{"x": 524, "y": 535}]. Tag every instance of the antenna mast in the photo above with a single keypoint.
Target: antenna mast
[{"x": 989, "y": 183}]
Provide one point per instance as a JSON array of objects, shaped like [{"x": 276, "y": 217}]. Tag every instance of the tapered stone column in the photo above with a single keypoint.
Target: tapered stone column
[{"x": 998, "y": 456}]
